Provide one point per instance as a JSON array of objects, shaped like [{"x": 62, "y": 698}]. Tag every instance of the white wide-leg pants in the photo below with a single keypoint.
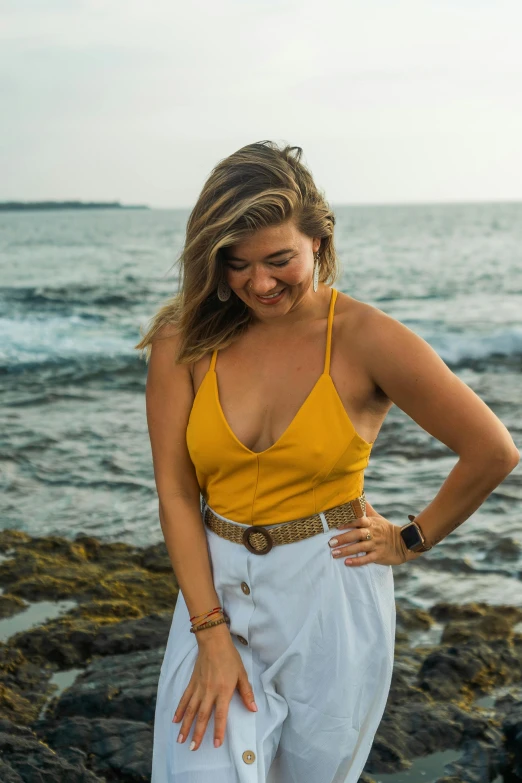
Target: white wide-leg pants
[{"x": 316, "y": 638}]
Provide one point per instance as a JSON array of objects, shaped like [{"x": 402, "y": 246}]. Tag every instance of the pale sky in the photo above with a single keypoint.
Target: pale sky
[{"x": 136, "y": 100}]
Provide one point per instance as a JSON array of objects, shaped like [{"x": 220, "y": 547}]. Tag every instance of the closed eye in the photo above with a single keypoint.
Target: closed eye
[{"x": 239, "y": 268}]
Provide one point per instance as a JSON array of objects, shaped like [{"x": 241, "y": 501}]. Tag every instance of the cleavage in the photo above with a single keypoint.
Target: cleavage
[{"x": 259, "y": 411}]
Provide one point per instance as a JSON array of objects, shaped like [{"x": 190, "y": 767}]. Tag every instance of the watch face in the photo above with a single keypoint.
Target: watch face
[{"x": 410, "y": 536}]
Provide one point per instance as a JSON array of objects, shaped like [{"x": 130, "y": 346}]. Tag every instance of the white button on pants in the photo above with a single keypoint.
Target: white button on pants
[{"x": 319, "y": 655}]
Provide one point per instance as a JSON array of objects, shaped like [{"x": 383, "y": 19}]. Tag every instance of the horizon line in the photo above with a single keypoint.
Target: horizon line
[{"x": 334, "y": 204}]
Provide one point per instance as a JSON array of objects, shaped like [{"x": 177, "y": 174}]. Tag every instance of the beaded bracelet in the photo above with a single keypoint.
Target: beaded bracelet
[
  {"x": 205, "y": 623},
  {"x": 210, "y": 624}
]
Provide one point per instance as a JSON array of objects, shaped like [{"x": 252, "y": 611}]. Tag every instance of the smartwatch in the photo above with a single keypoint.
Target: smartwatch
[{"x": 412, "y": 536}]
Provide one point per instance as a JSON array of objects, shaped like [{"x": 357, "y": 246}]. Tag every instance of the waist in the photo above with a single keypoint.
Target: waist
[
  {"x": 259, "y": 539},
  {"x": 268, "y": 499}
]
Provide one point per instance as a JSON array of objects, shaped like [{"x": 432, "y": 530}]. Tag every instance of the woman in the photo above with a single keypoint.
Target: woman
[{"x": 265, "y": 393}]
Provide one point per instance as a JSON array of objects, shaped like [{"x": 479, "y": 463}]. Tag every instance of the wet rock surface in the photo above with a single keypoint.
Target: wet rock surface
[
  {"x": 433, "y": 698},
  {"x": 25, "y": 759},
  {"x": 117, "y": 686},
  {"x": 448, "y": 659}
]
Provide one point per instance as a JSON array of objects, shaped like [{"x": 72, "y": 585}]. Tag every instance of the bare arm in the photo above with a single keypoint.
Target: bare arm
[
  {"x": 169, "y": 398},
  {"x": 415, "y": 378}
]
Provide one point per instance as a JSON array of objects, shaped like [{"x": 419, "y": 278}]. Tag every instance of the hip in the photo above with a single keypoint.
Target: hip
[{"x": 299, "y": 589}]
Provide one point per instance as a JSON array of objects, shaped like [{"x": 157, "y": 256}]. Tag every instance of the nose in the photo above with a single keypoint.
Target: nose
[{"x": 262, "y": 282}]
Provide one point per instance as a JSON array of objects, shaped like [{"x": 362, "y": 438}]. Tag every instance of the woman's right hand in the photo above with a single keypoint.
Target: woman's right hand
[{"x": 218, "y": 671}]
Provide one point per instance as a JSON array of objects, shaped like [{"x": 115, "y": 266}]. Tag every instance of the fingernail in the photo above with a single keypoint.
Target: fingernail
[
  {"x": 253, "y": 705},
  {"x": 333, "y": 542},
  {"x": 217, "y": 743},
  {"x": 336, "y": 551},
  {"x": 180, "y": 737},
  {"x": 192, "y": 745}
]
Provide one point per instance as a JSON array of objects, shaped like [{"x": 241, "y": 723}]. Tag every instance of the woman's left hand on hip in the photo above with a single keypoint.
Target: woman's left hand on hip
[{"x": 383, "y": 546}]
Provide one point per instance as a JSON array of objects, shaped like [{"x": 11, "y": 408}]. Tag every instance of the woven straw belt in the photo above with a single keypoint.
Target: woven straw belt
[{"x": 260, "y": 540}]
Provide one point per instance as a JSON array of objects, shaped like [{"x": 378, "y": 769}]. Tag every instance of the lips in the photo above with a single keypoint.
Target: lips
[{"x": 271, "y": 298}]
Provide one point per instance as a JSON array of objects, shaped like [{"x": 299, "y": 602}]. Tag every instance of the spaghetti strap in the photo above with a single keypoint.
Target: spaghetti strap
[
  {"x": 333, "y": 297},
  {"x": 212, "y": 365}
]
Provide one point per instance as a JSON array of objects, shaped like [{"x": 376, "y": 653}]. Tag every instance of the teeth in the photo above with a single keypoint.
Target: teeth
[{"x": 272, "y": 296}]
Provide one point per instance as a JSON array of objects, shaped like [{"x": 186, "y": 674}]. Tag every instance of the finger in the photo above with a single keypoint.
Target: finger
[
  {"x": 191, "y": 711},
  {"x": 246, "y": 691},
  {"x": 370, "y": 511},
  {"x": 351, "y": 536},
  {"x": 353, "y": 549},
  {"x": 200, "y": 726},
  {"x": 180, "y": 709},
  {"x": 363, "y": 521},
  {"x": 220, "y": 720},
  {"x": 353, "y": 562}
]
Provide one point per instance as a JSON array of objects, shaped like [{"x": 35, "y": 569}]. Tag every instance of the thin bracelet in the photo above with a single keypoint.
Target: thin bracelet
[
  {"x": 204, "y": 624},
  {"x": 208, "y": 616},
  {"x": 204, "y": 613},
  {"x": 213, "y": 616}
]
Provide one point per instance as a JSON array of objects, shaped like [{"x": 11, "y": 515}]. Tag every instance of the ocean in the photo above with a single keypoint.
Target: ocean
[{"x": 76, "y": 285}]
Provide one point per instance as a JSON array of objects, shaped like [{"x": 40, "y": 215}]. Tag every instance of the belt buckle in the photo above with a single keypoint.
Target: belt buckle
[{"x": 264, "y": 532}]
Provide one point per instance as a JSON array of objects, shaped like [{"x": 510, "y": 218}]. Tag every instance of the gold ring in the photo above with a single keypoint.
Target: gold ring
[{"x": 368, "y": 536}]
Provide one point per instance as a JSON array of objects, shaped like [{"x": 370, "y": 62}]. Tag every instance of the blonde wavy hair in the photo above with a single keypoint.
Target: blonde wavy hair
[{"x": 259, "y": 185}]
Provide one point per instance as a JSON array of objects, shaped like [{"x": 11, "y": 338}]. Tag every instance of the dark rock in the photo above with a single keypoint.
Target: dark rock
[
  {"x": 68, "y": 642},
  {"x": 482, "y": 762},
  {"x": 118, "y": 686},
  {"x": 508, "y": 702},
  {"x": 485, "y": 627},
  {"x": 449, "y": 780},
  {"x": 455, "y": 671},
  {"x": 444, "y": 612},
  {"x": 404, "y": 684},
  {"x": 8, "y": 775},
  {"x": 512, "y": 728},
  {"x": 55, "y": 568},
  {"x": 24, "y": 686},
  {"x": 12, "y": 538},
  {"x": 26, "y": 758},
  {"x": 412, "y": 618},
  {"x": 419, "y": 729},
  {"x": 146, "y": 633},
  {"x": 10, "y": 605},
  {"x": 122, "y": 749},
  {"x": 64, "y": 643},
  {"x": 112, "y": 610},
  {"x": 156, "y": 558}
]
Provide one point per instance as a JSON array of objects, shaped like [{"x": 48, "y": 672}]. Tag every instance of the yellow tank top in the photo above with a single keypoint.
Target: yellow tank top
[{"x": 317, "y": 463}]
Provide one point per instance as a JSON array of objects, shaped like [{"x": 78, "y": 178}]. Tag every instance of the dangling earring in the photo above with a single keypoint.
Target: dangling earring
[
  {"x": 316, "y": 271},
  {"x": 223, "y": 291}
]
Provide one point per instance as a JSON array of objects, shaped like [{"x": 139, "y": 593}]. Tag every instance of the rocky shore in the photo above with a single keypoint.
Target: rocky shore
[{"x": 84, "y": 626}]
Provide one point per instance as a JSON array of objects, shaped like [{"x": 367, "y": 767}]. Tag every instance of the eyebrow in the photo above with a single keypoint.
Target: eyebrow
[{"x": 272, "y": 255}]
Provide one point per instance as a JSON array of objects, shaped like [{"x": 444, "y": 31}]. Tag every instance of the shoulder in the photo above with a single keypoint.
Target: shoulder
[
  {"x": 358, "y": 320},
  {"x": 413, "y": 376},
  {"x": 166, "y": 331},
  {"x": 165, "y": 344},
  {"x": 372, "y": 328},
  {"x": 393, "y": 355}
]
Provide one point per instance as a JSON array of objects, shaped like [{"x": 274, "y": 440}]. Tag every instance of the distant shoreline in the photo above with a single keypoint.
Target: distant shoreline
[{"x": 21, "y": 206}]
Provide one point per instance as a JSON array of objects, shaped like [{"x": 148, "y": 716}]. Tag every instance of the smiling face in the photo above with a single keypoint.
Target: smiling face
[{"x": 274, "y": 260}]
